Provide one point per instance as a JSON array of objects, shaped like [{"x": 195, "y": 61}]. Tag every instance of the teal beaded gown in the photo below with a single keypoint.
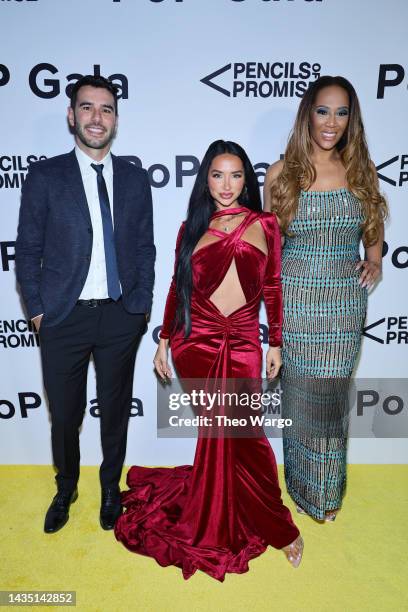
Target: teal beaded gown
[{"x": 324, "y": 313}]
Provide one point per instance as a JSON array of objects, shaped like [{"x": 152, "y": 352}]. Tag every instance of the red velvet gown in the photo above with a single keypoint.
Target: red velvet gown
[{"x": 225, "y": 509}]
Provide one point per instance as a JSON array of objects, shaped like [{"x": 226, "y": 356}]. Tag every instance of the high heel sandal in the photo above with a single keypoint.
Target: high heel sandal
[
  {"x": 329, "y": 518},
  {"x": 290, "y": 551}
]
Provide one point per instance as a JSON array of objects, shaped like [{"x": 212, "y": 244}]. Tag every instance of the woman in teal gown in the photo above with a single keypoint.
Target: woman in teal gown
[{"x": 325, "y": 194}]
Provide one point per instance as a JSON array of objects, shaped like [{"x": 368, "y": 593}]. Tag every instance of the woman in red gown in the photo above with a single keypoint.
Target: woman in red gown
[{"x": 225, "y": 509}]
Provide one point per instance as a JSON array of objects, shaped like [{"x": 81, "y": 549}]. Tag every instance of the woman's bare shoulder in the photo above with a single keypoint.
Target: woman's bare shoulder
[{"x": 274, "y": 171}]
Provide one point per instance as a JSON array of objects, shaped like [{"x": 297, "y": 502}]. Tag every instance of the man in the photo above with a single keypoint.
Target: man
[{"x": 85, "y": 265}]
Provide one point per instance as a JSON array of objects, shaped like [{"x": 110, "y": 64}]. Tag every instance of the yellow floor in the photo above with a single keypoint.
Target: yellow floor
[{"x": 360, "y": 562}]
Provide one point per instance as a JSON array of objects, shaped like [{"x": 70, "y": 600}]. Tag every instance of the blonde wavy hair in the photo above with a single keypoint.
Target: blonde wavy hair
[{"x": 298, "y": 172}]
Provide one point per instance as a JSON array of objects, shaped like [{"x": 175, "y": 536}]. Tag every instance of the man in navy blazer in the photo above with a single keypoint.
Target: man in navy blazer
[{"x": 85, "y": 265}]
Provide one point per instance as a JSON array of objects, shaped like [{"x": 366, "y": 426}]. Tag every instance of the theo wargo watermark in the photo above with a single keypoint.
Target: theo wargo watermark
[
  {"x": 293, "y": 406},
  {"x": 218, "y": 408}
]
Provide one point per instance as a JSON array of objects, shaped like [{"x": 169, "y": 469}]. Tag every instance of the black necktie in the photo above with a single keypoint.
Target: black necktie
[{"x": 112, "y": 274}]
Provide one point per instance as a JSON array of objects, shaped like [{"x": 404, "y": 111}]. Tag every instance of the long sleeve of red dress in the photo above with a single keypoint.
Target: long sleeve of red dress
[
  {"x": 272, "y": 287},
  {"x": 171, "y": 302}
]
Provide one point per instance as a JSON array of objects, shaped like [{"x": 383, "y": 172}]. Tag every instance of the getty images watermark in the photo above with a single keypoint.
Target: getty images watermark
[
  {"x": 316, "y": 408},
  {"x": 206, "y": 403}
]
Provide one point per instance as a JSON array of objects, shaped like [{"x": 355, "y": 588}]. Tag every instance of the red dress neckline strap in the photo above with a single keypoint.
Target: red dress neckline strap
[{"x": 230, "y": 211}]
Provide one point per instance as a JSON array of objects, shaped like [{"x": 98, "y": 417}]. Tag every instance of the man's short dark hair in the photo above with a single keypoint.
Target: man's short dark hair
[{"x": 94, "y": 81}]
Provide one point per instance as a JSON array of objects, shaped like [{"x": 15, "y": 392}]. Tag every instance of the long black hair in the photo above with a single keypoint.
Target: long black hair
[{"x": 201, "y": 207}]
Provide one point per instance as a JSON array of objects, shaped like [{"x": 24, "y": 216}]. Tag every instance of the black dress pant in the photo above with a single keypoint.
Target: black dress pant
[{"x": 111, "y": 335}]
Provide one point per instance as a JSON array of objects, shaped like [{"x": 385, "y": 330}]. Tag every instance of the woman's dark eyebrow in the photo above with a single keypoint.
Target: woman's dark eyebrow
[
  {"x": 324, "y": 106},
  {"x": 221, "y": 171}
]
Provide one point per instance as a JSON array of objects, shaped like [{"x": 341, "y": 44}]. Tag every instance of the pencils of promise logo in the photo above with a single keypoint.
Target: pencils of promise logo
[
  {"x": 264, "y": 79},
  {"x": 13, "y": 169}
]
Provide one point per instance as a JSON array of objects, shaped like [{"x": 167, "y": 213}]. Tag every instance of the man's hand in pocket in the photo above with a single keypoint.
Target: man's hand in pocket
[{"x": 37, "y": 321}]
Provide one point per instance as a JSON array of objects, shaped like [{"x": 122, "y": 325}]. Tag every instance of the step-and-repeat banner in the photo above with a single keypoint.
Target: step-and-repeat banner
[{"x": 190, "y": 72}]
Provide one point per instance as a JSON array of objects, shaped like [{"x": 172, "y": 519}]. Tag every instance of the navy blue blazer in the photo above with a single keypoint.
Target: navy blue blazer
[{"x": 54, "y": 237}]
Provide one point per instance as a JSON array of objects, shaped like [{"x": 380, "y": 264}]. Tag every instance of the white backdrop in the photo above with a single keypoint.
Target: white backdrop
[{"x": 264, "y": 53}]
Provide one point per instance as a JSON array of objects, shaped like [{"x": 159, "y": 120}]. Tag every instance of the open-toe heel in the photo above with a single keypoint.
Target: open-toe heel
[{"x": 294, "y": 551}]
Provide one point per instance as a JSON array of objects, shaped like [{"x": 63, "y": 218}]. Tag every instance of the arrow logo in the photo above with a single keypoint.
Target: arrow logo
[
  {"x": 383, "y": 165},
  {"x": 365, "y": 329},
  {"x": 209, "y": 78}
]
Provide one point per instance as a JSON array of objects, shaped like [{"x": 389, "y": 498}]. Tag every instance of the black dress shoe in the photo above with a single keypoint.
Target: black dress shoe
[
  {"x": 111, "y": 508},
  {"x": 58, "y": 513}
]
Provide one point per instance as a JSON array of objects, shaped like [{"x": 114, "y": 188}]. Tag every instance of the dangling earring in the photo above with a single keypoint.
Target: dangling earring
[{"x": 244, "y": 192}]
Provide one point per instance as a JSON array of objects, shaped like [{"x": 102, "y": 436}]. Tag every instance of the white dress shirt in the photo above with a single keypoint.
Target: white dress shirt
[{"x": 96, "y": 286}]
